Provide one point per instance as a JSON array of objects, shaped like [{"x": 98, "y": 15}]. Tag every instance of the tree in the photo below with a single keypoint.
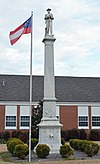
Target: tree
[{"x": 37, "y": 113}]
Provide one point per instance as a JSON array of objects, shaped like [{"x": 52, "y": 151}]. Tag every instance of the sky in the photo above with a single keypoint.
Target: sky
[{"x": 76, "y": 27}]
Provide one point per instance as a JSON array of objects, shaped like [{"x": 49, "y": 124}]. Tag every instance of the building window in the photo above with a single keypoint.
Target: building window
[
  {"x": 24, "y": 117},
  {"x": 96, "y": 121},
  {"x": 24, "y": 121},
  {"x": 10, "y": 117},
  {"x": 83, "y": 117},
  {"x": 10, "y": 121},
  {"x": 95, "y": 111},
  {"x": 83, "y": 121}
]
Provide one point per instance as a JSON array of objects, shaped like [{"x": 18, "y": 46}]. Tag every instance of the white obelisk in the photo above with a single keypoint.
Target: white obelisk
[{"x": 49, "y": 128}]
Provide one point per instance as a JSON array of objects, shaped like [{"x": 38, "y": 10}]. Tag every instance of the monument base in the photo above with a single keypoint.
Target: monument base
[{"x": 50, "y": 134}]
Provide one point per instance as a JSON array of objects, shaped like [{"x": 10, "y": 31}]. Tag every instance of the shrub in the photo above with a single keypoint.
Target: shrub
[
  {"x": 82, "y": 134},
  {"x": 73, "y": 134},
  {"x": 23, "y": 136},
  {"x": 11, "y": 139},
  {"x": 71, "y": 142},
  {"x": 13, "y": 143},
  {"x": 83, "y": 145},
  {"x": 65, "y": 135},
  {"x": 88, "y": 147},
  {"x": 2, "y": 138},
  {"x": 42, "y": 150},
  {"x": 34, "y": 142},
  {"x": 88, "y": 150},
  {"x": 66, "y": 151},
  {"x": 94, "y": 135},
  {"x": 96, "y": 148},
  {"x": 8, "y": 142},
  {"x": 75, "y": 143},
  {"x": 2, "y": 141},
  {"x": 21, "y": 150},
  {"x": 6, "y": 135},
  {"x": 16, "y": 133},
  {"x": 0, "y": 134},
  {"x": 62, "y": 141},
  {"x": 78, "y": 144},
  {"x": 35, "y": 133},
  {"x": 91, "y": 149}
]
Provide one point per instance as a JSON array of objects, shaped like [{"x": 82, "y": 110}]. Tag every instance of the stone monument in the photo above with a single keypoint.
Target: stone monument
[{"x": 49, "y": 128}]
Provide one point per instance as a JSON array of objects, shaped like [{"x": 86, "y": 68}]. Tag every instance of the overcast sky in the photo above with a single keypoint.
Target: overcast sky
[{"x": 76, "y": 27}]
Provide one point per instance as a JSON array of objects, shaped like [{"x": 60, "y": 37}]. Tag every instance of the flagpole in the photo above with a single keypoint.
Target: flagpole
[{"x": 30, "y": 91}]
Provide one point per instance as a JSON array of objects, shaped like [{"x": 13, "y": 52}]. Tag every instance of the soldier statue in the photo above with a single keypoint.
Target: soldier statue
[{"x": 48, "y": 17}]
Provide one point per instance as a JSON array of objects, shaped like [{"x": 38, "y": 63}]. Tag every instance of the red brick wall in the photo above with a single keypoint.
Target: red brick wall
[
  {"x": 18, "y": 117},
  {"x": 90, "y": 117},
  {"x": 2, "y": 117},
  {"x": 69, "y": 117}
]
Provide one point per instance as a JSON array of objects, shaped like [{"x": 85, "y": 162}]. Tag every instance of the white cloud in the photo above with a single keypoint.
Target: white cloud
[{"x": 76, "y": 27}]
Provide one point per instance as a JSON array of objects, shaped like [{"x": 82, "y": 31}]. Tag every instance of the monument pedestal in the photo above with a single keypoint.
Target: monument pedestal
[{"x": 50, "y": 134}]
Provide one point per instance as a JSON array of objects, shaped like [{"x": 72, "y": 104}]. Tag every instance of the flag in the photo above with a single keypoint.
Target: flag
[{"x": 24, "y": 28}]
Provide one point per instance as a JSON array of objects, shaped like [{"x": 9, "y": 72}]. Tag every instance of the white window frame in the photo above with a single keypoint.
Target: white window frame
[
  {"x": 24, "y": 121},
  {"x": 10, "y": 111},
  {"x": 83, "y": 112},
  {"x": 95, "y": 110},
  {"x": 24, "y": 111}
]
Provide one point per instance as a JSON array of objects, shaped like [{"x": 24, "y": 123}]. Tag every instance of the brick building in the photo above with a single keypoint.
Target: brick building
[{"x": 78, "y": 101}]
